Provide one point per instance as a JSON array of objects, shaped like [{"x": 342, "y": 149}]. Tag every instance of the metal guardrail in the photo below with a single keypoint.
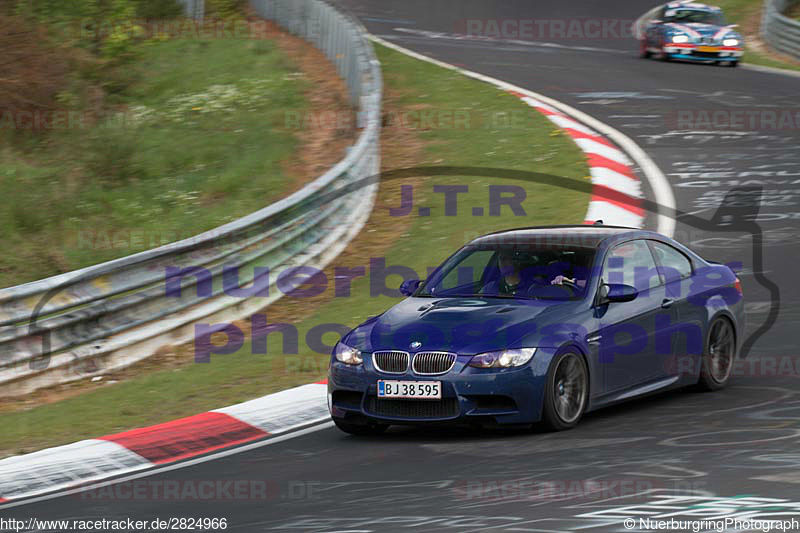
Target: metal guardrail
[
  {"x": 778, "y": 30},
  {"x": 109, "y": 316}
]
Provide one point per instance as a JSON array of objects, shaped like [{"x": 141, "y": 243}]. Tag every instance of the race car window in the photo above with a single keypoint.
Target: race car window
[
  {"x": 672, "y": 264},
  {"x": 631, "y": 263},
  {"x": 530, "y": 272},
  {"x": 469, "y": 271},
  {"x": 688, "y": 16}
]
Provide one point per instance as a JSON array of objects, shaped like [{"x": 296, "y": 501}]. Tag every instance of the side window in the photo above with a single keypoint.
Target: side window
[
  {"x": 631, "y": 263},
  {"x": 671, "y": 263}
]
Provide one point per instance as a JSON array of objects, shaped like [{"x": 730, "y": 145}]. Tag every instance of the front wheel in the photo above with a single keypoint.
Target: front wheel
[
  {"x": 718, "y": 356},
  {"x": 566, "y": 392},
  {"x": 643, "y": 51},
  {"x": 361, "y": 430}
]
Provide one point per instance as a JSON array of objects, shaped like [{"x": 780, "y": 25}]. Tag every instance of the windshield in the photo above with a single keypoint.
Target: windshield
[
  {"x": 557, "y": 273},
  {"x": 685, "y": 16}
]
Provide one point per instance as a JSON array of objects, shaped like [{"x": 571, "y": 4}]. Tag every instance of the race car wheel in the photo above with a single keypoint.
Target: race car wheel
[
  {"x": 566, "y": 392},
  {"x": 644, "y": 52},
  {"x": 360, "y": 429},
  {"x": 733, "y": 64},
  {"x": 663, "y": 56},
  {"x": 718, "y": 355}
]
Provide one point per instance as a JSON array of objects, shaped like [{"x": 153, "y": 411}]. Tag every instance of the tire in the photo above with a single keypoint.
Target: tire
[
  {"x": 644, "y": 53},
  {"x": 733, "y": 64},
  {"x": 663, "y": 56},
  {"x": 719, "y": 354},
  {"x": 566, "y": 392},
  {"x": 362, "y": 430}
]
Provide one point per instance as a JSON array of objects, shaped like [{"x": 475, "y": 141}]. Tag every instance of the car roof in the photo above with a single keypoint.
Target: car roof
[
  {"x": 583, "y": 236},
  {"x": 693, "y": 5}
]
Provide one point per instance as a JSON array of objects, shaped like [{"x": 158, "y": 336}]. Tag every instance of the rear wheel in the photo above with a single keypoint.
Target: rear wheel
[
  {"x": 566, "y": 392},
  {"x": 718, "y": 355},
  {"x": 360, "y": 429},
  {"x": 733, "y": 64}
]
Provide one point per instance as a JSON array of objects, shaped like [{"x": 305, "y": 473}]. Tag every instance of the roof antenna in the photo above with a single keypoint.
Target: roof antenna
[{"x": 598, "y": 223}]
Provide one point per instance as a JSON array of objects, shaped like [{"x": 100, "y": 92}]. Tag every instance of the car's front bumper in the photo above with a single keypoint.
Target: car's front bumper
[
  {"x": 694, "y": 52},
  {"x": 469, "y": 396}
]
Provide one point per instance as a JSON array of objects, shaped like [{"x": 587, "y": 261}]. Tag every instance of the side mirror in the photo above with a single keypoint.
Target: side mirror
[
  {"x": 618, "y": 292},
  {"x": 409, "y": 287}
]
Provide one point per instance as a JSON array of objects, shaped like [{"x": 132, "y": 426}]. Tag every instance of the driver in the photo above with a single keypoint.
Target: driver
[{"x": 512, "y": 280}]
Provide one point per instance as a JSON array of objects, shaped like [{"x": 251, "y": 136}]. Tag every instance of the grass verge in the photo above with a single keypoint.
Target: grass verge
[{"x": 422, "y": 103}]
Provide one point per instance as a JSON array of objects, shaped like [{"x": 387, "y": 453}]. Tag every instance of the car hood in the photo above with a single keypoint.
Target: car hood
[
  {"x": 462, "y": 325},
  {"x": 698, "y": 30}
]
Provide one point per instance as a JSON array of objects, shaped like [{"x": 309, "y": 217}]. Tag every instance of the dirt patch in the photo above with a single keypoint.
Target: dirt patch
[{"x": 400, "y": 147}]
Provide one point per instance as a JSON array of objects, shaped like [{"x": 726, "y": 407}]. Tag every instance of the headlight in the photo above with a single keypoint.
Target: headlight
[
  {"x": 503, "y": 358},
  {"x": 730, "y": 42},
  {"x": 347, "y": 354},
  {"x": 680, "y": 38}
]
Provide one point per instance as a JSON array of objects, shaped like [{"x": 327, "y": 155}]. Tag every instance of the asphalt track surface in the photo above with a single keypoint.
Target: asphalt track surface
[{"x": 744, "y": 440}]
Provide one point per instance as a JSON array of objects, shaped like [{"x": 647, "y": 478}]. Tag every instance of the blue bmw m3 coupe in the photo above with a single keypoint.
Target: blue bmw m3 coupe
[{"x": 540, "y": 325}]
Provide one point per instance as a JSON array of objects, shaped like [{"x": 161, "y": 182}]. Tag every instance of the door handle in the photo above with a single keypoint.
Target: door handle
[{"x": 666, "y": 303}]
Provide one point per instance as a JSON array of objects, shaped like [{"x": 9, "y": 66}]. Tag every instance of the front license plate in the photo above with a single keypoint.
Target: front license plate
[
  {"x": 707, "y": 49},
  {"x": 423, "y": 390}
]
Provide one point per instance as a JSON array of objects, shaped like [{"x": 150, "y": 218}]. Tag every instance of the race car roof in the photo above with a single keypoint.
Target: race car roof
[
  {"x": 582, "y": 236},
  {"x": 693, "y": 5}
]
